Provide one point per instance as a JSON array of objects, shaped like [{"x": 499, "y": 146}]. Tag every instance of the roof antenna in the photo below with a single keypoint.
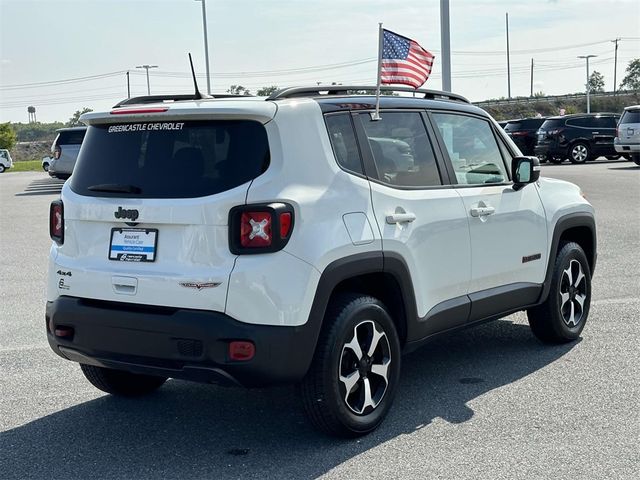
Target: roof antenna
[{"x": 197, "y": 95}]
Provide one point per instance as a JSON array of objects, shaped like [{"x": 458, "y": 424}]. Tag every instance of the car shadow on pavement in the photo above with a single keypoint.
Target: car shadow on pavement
[
  {"x": 200, "y": 431},
  {"x": 45, "y": 186},
  {"x": 630, "y": 167}
]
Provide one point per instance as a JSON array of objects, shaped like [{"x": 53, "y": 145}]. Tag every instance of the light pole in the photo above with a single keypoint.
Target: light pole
[
  {"x": 445, "y": 42},
  {"x": 147, "y": 67},
  {"x": 587, "y": 57},
  {"x": 206, "y": 43}
]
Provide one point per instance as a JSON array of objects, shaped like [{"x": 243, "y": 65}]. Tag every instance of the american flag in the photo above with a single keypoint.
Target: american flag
[{"x": 404, "y": 61}]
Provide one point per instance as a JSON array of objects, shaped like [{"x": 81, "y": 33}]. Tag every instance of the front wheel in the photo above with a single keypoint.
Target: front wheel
[
  {"x": 119, "y": 382},
  {"x": 579, "y": 153},
  {"x": 564, "y": 313},
  {"x": 1, "y": 168},
  {"x": 354, "y": 374}
]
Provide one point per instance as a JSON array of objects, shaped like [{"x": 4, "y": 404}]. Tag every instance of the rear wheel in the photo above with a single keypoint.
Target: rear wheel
[
  {"x": 612, "y": 157},
  {"x": 45, "y": 167},
  {"x": 354, "y": 374},
  {"x": 562, "y": 316},
  {"x": 1, "y": 168},
  {"x": 579, "y": 153},
  {"x": 119, "y": 382}
]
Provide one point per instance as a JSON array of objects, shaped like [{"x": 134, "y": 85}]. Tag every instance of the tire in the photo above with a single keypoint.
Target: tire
[
  {"x": 119, "y": 382},
  {"x": 556, "y": 320},
  {"x": 635, "y": 159},
  {"x": 349, "y": 326},
  {"x": 579, "y": 152},
  {"x": 45, "y": 167},
  {"x": 612, "y": 157},
  {"x": 556, "y": 160},
  {"x": 1, "y": 168}
]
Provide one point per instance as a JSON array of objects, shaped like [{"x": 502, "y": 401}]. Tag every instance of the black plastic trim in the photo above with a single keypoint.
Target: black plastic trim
[
  {"x": 564, "y": 223},
  {"x": 145, "y": 339}
]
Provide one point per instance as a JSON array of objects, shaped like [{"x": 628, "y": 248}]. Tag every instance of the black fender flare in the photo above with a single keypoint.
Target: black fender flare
[{"x": 564, "y": 223}]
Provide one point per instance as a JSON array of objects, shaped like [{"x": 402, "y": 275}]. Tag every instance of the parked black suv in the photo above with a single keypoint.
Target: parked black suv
[
  {"x": 579, "y": 137},
  {"x": 524, "y": 133}
]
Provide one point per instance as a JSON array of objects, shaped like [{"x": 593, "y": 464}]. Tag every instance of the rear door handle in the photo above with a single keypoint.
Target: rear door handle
[
  {"x": 482, "y": 211},
  {"x": 401, "y": 218}
]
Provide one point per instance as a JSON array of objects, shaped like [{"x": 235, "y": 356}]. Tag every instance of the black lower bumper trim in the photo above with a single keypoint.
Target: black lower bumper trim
[{"x": 178, "y": 343}]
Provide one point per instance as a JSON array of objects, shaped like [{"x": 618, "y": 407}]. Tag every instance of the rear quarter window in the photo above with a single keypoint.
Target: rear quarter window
[
  {"x": 552, "y": 124},
  {"x": 177, "y": 159}
]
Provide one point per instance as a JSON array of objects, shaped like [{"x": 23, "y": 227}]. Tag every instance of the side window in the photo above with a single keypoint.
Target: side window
[
  {"x": 401, "y": 149},
  {"x": 606, "y": 122},
  {"x": 343, "y": 141},
  {"x": 472, "y": 148}
]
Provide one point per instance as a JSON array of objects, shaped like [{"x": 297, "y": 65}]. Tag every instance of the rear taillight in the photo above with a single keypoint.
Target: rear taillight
[
  {"x": 56, "y": 222},
  {"x": 260, "y": 228},
  {"x": 57, "y": 152}
]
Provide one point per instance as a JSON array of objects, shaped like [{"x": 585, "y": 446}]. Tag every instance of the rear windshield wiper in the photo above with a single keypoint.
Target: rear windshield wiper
[{"x": 114, "y": 188}]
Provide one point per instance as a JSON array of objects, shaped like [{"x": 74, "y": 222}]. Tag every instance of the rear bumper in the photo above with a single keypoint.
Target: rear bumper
[
  {"x": 627, "y": 147},
  {"x": 549, "y": 150},
  {"x": 178, "y": 343}
]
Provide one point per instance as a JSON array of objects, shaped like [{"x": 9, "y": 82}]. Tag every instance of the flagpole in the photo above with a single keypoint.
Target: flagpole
[{"x": 376, "y": 115}]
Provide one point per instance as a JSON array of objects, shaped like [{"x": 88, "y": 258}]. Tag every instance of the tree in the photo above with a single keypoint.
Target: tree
[
  {"x": 266, "y": 91},
  {"x": 75, "y": 118},
  {"x": 7, "y": 136},
  {"x": 238, "y": 90},
  {"x": 632, "y": 80},
  {"x": 596, "y": 82}
]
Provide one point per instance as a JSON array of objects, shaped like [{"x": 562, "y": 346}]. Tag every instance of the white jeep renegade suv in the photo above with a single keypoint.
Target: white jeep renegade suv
[{"x": 294, "y": 239}]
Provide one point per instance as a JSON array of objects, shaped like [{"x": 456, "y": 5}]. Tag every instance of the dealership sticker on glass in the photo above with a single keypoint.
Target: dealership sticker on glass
[{"x": 133, "y": 244}]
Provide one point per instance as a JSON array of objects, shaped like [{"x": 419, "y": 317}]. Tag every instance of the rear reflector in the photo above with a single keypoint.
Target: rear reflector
[
  {"x": 126, "y": 111},
  {"x": 56, "y": 222},
  {"x": 241, "y": 351},
  {"x": 285, "y": 224},
  {"x": 64, "y": 332}
]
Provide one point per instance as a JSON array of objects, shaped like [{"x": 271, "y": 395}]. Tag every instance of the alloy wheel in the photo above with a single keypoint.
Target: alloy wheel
[
  {"x": 579, "y": 153},
  {"x": 364, "y": 368},
  {"x": 573, "y": 294}
]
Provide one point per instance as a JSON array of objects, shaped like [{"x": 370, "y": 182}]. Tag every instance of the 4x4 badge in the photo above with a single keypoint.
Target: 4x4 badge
[{"x": 199, "y": 286}]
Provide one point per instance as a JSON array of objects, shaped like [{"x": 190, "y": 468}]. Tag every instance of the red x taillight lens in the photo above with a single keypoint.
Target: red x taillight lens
[
  {"x": 255, "y": 229},
  {"x": 56, "y": 222},
  {"x": 261, "y": 228}
]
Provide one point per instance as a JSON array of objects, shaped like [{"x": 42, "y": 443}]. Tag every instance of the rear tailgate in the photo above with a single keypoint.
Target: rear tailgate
[{"x": 146, "y": 210}]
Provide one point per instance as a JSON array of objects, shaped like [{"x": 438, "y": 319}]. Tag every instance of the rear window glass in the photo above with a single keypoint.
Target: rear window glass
[
  {"x": 630, "y": 116},
  {"x": 551, "y": 124},
  {"x": 73, "y": 137},
  {"x": 170, "y": 159},
  {"x": 528, "y": 124}
]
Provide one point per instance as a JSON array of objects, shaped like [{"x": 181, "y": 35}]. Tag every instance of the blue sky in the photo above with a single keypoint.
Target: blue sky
[{"x": 254, "y": 42}]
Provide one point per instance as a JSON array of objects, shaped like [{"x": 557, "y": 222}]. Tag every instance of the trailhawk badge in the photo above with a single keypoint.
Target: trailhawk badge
[{"x": 199, "y": 286}]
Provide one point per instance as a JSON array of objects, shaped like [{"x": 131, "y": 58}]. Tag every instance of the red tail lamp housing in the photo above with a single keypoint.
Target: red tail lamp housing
[
  {"x": 57, "y": 152},
  {"x": 241, "y": 350},
  {"x": 260, "y": 228},
  {"x": 56, "y": 222}
]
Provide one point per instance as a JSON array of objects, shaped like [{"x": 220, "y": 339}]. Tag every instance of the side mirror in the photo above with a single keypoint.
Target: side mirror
[{"x": 524, "y": 170}]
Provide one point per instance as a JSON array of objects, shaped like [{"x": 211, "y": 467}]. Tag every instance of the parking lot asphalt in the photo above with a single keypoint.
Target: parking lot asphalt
[{"x": 486, "y": 403}]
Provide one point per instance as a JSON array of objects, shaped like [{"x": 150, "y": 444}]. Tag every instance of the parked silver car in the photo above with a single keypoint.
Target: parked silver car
[
  {"x": 65, "y": 150},
  {"x": 627, "y": 139},
  {"x": 5, "y": 160}
]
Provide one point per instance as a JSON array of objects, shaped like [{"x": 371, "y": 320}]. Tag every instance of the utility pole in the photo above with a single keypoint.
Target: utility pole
[
  {"x": 445, "y": 43},
  {"x": 587, "y": 57},
  {"x": 128, "y": 86},
  {"x": 532, "y": 77},
  {"x": 615, "y": 63},
  {"x": 206, "y": 43},
  {"x": 508, "y": 64},
  {"x": 147, "y": 67}
]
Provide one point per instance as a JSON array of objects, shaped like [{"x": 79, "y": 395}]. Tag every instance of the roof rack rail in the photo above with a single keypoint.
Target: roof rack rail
[
  {"x": 169, "y": 98},
  {"x": 316, "y": 91}
]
